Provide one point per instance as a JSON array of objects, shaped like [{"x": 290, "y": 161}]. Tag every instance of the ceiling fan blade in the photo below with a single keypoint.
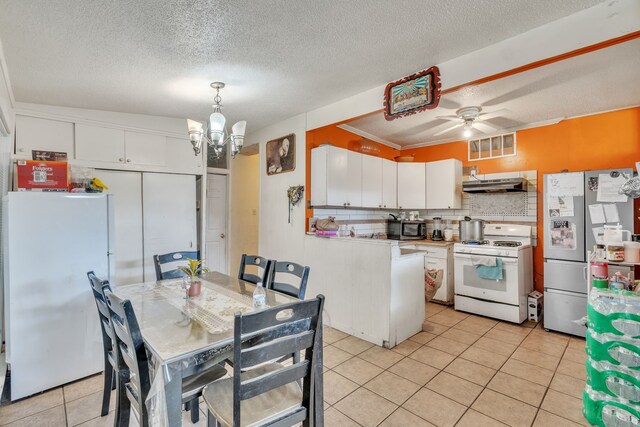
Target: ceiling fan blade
[
  {"x": 451, "y": 117},
  {"x": 449, "y": 129},
  {"x": 484, "y": 127},
  {"x": 492, "y": 114}
]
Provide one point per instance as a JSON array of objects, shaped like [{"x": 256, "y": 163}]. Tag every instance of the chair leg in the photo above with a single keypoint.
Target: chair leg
[
  {"x": 195, "y": 410},
  {"x": 123, "y": 406},
  {"x": 113, "y": 380},
  {"x": 211, "y": 422},
  {"x": 106, "y": 392}
]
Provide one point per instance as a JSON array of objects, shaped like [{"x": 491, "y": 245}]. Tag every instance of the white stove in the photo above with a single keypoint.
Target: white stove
[{"x": 493, "y": 277}]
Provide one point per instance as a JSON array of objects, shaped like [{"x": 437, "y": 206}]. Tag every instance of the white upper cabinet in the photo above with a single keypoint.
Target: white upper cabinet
[
  {"x": 33, "y": 133},
  {"x": 354, "y": 179},
  {"x": 411, "y": 186},
  {"x": 99, "y": 144},
  {"x": 336, "y": 177},
  {"x": 181, "y": 158},
  {"x": 371, "y": 182},
  {"x": 444, "y": 184},
  {"x": 389, "y": 184},
  {"x": 145, "y": 148}
]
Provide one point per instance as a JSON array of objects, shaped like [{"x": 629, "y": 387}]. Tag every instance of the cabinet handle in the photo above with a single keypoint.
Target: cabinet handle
[
  {"x": 385, "y": 206},
  {"x": 128, "y": 160},
  {"x": 121, "y": 160}
]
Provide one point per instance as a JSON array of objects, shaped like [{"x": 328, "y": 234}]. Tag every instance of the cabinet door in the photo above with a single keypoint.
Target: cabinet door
[
  {"x": 99, "y": 144},
  {"x": 411, "y": 185},
  {"x": 337, "y": 176},
  {"x": 33, "y": 133},
  {"x": 389, "y": 184},
  {"x": 354, "y": 179},
  {"x": 145, "y": 149},
  {"x": 181, "y": 157},
  {"x": 169, "y": 216},
  {"x": 371, "y": 182},
  {"x": 319, "y": 176},
  {"x": 126, "y": 188},
  {"x": 444, "y": 184}
]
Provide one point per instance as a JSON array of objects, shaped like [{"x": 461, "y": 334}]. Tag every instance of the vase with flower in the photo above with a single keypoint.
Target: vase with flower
[{"x": 192, "y": 273}]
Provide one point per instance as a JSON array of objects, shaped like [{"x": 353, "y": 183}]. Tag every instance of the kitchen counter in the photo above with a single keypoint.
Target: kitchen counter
[
  {"x": 374, "y": 288},
  {"x": 429, "y": 242}
]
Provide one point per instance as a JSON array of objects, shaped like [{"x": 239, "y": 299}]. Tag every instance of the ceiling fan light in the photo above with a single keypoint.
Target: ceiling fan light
[{"x": 468, "y": 127}]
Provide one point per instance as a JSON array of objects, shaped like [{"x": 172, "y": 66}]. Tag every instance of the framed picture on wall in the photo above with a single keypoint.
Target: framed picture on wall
[
  {"x": 281, "y": 155},
  {"x": 412, "y": 94}
]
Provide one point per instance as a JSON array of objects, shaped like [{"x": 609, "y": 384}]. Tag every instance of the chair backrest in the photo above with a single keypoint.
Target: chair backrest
[
  {"x": 131, "y": 355},
  {"x": 270, "y": 334},
  {"x": 260, "y": 263},
  {"x": 293, "y": 269},
  {"x": 97, "y": 287},
  {"x": 173, "y": 257}
]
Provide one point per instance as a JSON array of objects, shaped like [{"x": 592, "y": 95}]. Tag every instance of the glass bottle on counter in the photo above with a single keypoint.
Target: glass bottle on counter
[{"x": 259, "y": 296}]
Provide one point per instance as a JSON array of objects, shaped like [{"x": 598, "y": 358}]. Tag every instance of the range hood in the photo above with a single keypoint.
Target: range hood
[{"x": 507, "y": 185}]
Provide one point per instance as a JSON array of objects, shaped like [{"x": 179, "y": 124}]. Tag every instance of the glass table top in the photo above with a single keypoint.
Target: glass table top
[{"x": 174, "y": 327}]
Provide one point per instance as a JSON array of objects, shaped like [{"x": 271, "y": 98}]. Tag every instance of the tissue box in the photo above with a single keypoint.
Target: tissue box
[{"x": 34, "y": 175}]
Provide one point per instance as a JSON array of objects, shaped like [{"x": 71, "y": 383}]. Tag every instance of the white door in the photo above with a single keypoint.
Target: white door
[
  {"x": 126, "y": 188},
  {"x": 371, "y": 182},
  {"x": 216, "y": 246},
  {"x": 169, "y": 216}
]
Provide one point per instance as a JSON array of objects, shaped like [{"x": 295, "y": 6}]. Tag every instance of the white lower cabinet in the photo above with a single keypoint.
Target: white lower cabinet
[
  {"x": 154, "y": 213},
  {"x": 411, "y": 186},
  {"x": 381, "y": 302}
]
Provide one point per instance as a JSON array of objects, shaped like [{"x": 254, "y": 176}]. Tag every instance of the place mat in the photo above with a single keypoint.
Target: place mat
[{"x": 213, "y": 309}]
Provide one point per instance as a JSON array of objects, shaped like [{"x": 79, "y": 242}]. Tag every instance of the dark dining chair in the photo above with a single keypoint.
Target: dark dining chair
[
  {"x": 248, "y": 261},
  {"x": 288, "y": 269},
  {"x": 97, "y": 287},
  {"x": 172, "y": 258},
  {"x": 132, "y": 367},
  {"x": 268, "y": 393}
]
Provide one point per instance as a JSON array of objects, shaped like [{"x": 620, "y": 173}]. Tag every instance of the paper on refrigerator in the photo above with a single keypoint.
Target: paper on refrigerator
[
  {"x": 608, "y": 188},
  {"x": 565, "y": 184},
  {"x": 560, "y": 206},
  {"x": 611, "y": 212},
  {"x": 596, "y": 212}
]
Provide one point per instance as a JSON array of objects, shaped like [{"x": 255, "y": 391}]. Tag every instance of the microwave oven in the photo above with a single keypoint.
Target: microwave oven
[{"x": 406, "y": 230}]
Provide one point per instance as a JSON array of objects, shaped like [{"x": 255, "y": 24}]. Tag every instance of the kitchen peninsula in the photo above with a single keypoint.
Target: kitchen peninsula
[{"x": 374, "y": 288}]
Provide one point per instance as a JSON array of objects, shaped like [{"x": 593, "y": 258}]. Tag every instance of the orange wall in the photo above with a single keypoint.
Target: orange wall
[{"x": 601, "y": 141}]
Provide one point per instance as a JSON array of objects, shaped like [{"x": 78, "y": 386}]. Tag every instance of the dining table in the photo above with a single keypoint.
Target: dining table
[{"x": 187, "y": 335}]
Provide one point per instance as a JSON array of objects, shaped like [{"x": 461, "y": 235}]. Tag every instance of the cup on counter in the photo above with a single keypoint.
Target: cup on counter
[{"x": 448, "y": 234}]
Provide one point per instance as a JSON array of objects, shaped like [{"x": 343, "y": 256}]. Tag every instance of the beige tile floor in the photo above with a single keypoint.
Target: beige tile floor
[{"x": 463, "y": 370}]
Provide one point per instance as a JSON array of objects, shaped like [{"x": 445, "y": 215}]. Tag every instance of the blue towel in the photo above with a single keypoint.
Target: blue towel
[{"x": 491, "y": 273}]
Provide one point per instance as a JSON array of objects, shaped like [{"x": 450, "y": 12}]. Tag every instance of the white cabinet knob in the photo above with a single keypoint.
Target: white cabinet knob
[
  {"x": 121, "y": 160},
  {"x": 128, "y": 160}
]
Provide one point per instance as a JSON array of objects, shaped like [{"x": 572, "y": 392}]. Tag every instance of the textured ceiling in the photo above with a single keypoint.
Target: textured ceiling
[
  {"x": 279, "y": 58},
  {"x": 599, "y": 81}
]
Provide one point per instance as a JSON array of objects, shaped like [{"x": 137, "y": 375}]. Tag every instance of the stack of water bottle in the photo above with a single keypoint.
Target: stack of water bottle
[{"x": 612, "y": 394}]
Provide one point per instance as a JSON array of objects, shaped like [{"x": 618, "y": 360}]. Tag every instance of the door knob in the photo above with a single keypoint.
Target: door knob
[{"x": 222, "y": 235}]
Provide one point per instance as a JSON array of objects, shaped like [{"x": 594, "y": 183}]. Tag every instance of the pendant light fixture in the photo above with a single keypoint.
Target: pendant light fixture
[{"x": 217, "y": 137}]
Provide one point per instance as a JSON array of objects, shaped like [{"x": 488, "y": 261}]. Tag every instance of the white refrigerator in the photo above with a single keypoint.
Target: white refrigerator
[{"x": 51, "y": 241}]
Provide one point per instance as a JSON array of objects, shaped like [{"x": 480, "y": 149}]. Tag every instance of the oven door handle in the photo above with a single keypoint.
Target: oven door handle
[{"x": 504, "y": 260}]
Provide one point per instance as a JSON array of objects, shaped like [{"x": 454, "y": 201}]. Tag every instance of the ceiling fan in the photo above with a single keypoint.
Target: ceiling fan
[{"x": 471, "y": 118}]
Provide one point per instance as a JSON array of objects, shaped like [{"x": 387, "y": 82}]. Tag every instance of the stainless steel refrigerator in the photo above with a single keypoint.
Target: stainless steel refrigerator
[{"x": 574, "y": 205}]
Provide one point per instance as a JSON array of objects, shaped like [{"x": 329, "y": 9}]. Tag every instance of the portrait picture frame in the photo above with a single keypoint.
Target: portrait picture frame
[
  {"x": 412, "y": 94},
  {"x": 281, "y": 155}
]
